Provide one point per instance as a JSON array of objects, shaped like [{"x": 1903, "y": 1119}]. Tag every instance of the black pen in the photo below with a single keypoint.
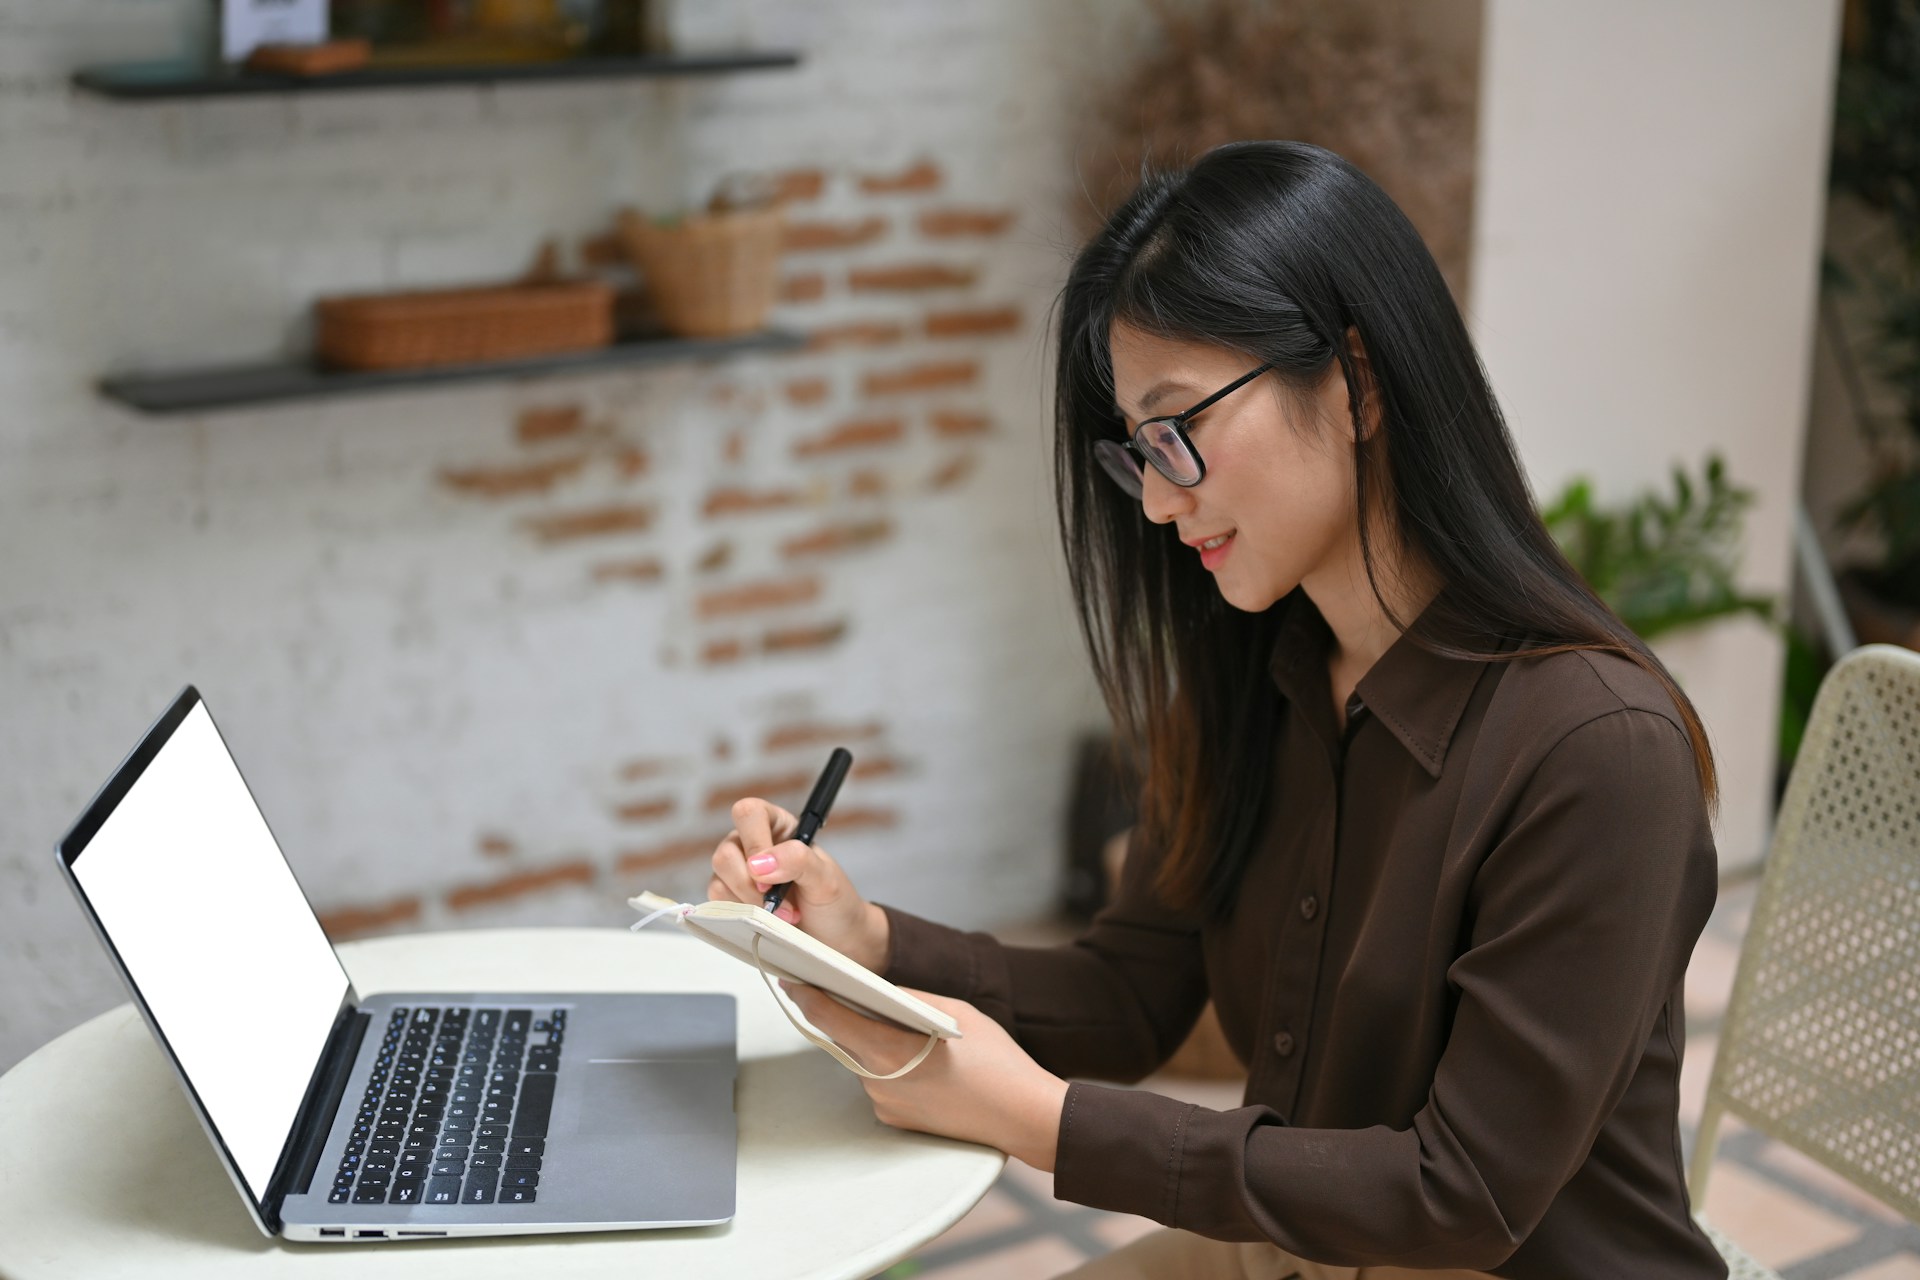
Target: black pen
[{"x": 814, "y": 816}]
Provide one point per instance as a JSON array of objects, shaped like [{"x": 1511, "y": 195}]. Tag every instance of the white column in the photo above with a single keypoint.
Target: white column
[{"x": 1647, "y": 231}]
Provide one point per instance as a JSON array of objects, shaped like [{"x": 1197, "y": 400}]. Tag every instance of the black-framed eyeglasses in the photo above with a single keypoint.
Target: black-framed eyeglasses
[{"x": 1164, "y": 443}]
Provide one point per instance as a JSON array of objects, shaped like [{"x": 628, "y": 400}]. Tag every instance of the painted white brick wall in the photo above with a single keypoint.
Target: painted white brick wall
[{"x": 401, "y": 670}]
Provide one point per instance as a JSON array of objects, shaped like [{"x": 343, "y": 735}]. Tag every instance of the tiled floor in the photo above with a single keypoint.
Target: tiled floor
[{"x": 1782, "y": 1208}]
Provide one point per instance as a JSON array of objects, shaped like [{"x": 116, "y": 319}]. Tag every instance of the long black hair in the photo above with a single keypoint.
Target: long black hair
[{"x": 1278, "y": 250}]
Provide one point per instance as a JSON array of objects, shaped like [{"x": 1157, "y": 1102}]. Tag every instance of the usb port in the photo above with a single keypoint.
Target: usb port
[
  {"x": 333, "y": 1231},
  {"x": 369, "y": 1235}
]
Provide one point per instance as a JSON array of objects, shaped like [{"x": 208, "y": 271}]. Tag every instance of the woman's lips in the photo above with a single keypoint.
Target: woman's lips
[{"x": 1212, "y": 556}]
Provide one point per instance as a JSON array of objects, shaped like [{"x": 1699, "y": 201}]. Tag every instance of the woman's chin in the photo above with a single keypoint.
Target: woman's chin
[{"x": 1248, "y": 597}]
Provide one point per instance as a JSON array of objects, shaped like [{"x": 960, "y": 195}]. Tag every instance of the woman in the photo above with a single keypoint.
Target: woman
[{"x": 1424, "y": 819}]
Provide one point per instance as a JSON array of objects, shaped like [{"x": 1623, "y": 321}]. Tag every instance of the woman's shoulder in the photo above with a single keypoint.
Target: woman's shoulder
[{"x": 1542, "y": 700}]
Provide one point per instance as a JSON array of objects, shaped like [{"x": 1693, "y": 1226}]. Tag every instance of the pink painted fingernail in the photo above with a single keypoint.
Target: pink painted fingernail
[{"x": 764, "y": 862}]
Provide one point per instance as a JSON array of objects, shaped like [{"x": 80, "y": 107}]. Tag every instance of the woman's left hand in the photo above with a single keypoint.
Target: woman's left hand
[{"x": 980, "y": 1088}]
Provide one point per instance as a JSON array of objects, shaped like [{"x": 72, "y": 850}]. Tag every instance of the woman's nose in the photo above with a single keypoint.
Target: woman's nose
[{"x": 1161, "y": 499}]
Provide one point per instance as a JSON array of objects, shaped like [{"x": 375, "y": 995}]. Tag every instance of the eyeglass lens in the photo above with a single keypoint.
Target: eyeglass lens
[{"x": 1163, "y": 446}]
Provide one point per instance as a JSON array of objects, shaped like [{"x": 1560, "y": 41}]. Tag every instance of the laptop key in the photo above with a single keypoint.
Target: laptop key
[
  {"x": 518, "y": 1195},
  {"x": 529, "y": 1163},
  {"x": 525, "y": 1146},
  {"x": 520, "y": 1178},
  {"x": 404, "y": 1193},
  {"x": 492, "y": 1131},
  {"x": 478, "y": 1189},
  {"x": 443, "y": 1190},
  {"x": 370, "y": 1193},
  {"x": 485, "y": 1160},
  {"x": 494, "y": 1146},
  {"x": 340, "y": 1195},
  {"x": 448, "y": 1169}
]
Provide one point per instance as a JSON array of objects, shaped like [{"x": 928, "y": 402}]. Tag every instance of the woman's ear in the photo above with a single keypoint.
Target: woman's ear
[{"x": 1367, "y": 412}]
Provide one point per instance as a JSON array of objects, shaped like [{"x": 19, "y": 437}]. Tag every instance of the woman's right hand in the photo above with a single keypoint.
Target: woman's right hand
[{"x": 758, "y": 854}]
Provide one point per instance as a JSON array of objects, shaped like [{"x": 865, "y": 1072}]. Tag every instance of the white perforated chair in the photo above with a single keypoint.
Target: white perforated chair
[{"x": 1821, "y": 1046}]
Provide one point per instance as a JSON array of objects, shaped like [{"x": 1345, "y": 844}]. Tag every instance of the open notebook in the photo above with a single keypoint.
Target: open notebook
[{"x": 779, "y": 950}]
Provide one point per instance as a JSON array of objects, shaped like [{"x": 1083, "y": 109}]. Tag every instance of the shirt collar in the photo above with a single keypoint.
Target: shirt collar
[{"x": 1418, "y": 695}]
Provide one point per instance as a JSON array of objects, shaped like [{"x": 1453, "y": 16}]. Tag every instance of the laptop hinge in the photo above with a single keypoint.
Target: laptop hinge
[{"x": 314, "y": 1121}]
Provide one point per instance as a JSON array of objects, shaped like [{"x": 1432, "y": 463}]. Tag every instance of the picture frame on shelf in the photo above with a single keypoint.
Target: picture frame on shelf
[{"x": 247, "y": 24}]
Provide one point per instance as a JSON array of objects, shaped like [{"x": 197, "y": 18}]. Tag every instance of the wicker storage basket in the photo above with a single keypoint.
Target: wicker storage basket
[
  {"x": 709, "y": 275},
  {"x": 462, "y": 326}
]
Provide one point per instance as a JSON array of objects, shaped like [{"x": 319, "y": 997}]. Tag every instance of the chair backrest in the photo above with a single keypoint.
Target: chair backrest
[{"x": 1821, "y": 1045}]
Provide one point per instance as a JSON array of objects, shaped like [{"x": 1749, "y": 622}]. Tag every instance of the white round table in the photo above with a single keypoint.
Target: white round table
[{"x": 105, "y": 1172}]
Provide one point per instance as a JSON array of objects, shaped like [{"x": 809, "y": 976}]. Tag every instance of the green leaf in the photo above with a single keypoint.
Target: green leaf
[{"x": 1662, "y": 563}]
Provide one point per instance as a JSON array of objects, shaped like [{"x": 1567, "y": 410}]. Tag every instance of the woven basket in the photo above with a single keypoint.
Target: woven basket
[
  {"x": 462, "y": 326},
  {"x": 709, "y": 275}
]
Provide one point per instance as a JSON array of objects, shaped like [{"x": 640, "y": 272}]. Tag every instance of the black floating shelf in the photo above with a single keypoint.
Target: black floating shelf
[
  {"x": 199, "y": 390},
  {"x": 146, "y": 81}
]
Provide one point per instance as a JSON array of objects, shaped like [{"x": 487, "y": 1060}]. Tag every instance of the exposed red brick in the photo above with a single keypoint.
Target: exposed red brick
[
  {"x": 606, "y": 249},
  {"x": 644, "y": 768},
  {"x": 809, "y": 287},
  {"x": 716, "y": 557},
  {"x": 590, "y": 523},
  {"x": 799, "y": 184},
  {"x": 867, "y": 483},
  {"x": 862, "y": 433},
  {"x": 551, "y": 422},
  {"x": 948, "y": 223},
  {"x": 519, "y": 885},
  {"x": 646, "y": 810},
  {"x": 815, "y": 734},
  {"x": 716, "y": 652},
  {"x": 854, "y": 819},
  {"x": 349, "y": 922},
  {"x": 923, "y": 176},
  {"x": 837, "y": 537},
  {"x": 950, "y": 423},
  {"x": 722, "y": 795},
  {"x": 921, "y": 377},
  {"x": 772, "y": 594},
  {"x": 645, "y": 569},
  {"x": 731, "y": 501},
  {"x": 910, "y": 276},
  {"x": 818, "y": 636},
  {"x": 952, "y": 472},
  {"x": 631, "y": 461},
  {"x": 867, "y": 334},
  {"x": 808, "y": 391},
  {"x": 801, "y": 237},
  {"x": 505, "y": 482},
  {"x": 972, "y": 324},
  {"x": 496, "y": 846},
  {"x": 662, "y": 855}
]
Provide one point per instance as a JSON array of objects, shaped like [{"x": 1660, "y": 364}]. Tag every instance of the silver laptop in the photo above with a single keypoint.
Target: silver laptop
[{"x": 407, "y": 1115}]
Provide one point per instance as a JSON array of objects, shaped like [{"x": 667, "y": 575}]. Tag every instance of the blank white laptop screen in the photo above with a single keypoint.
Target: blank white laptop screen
[{"x": 195, "y": 895}]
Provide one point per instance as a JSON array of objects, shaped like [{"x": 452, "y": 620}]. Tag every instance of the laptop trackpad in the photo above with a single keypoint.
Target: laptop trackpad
[
  {"x": 666, "y": 1096},
  {"x": 646, "y": 1140}
]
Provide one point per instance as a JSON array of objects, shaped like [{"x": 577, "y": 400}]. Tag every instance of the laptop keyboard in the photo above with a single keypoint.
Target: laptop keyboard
[{"x": 456, "y": 1109}]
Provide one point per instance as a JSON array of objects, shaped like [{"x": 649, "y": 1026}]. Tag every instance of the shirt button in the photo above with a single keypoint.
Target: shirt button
[
  {"x": 1283, "y": 1044},
  {"x": 1309, "y": 907}
]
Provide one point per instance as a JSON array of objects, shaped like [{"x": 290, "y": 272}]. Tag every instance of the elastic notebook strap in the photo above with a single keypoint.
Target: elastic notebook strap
[{"x": 846, "y": 1059}]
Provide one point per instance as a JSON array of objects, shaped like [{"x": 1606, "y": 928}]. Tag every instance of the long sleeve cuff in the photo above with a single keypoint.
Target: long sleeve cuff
[
  {"x": 1122, "y": 1150},
  {"x": 932, "y": 957}
]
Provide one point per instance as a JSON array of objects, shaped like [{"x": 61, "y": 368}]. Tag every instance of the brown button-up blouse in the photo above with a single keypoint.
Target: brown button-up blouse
[{"x": 1453, "y": 970}]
